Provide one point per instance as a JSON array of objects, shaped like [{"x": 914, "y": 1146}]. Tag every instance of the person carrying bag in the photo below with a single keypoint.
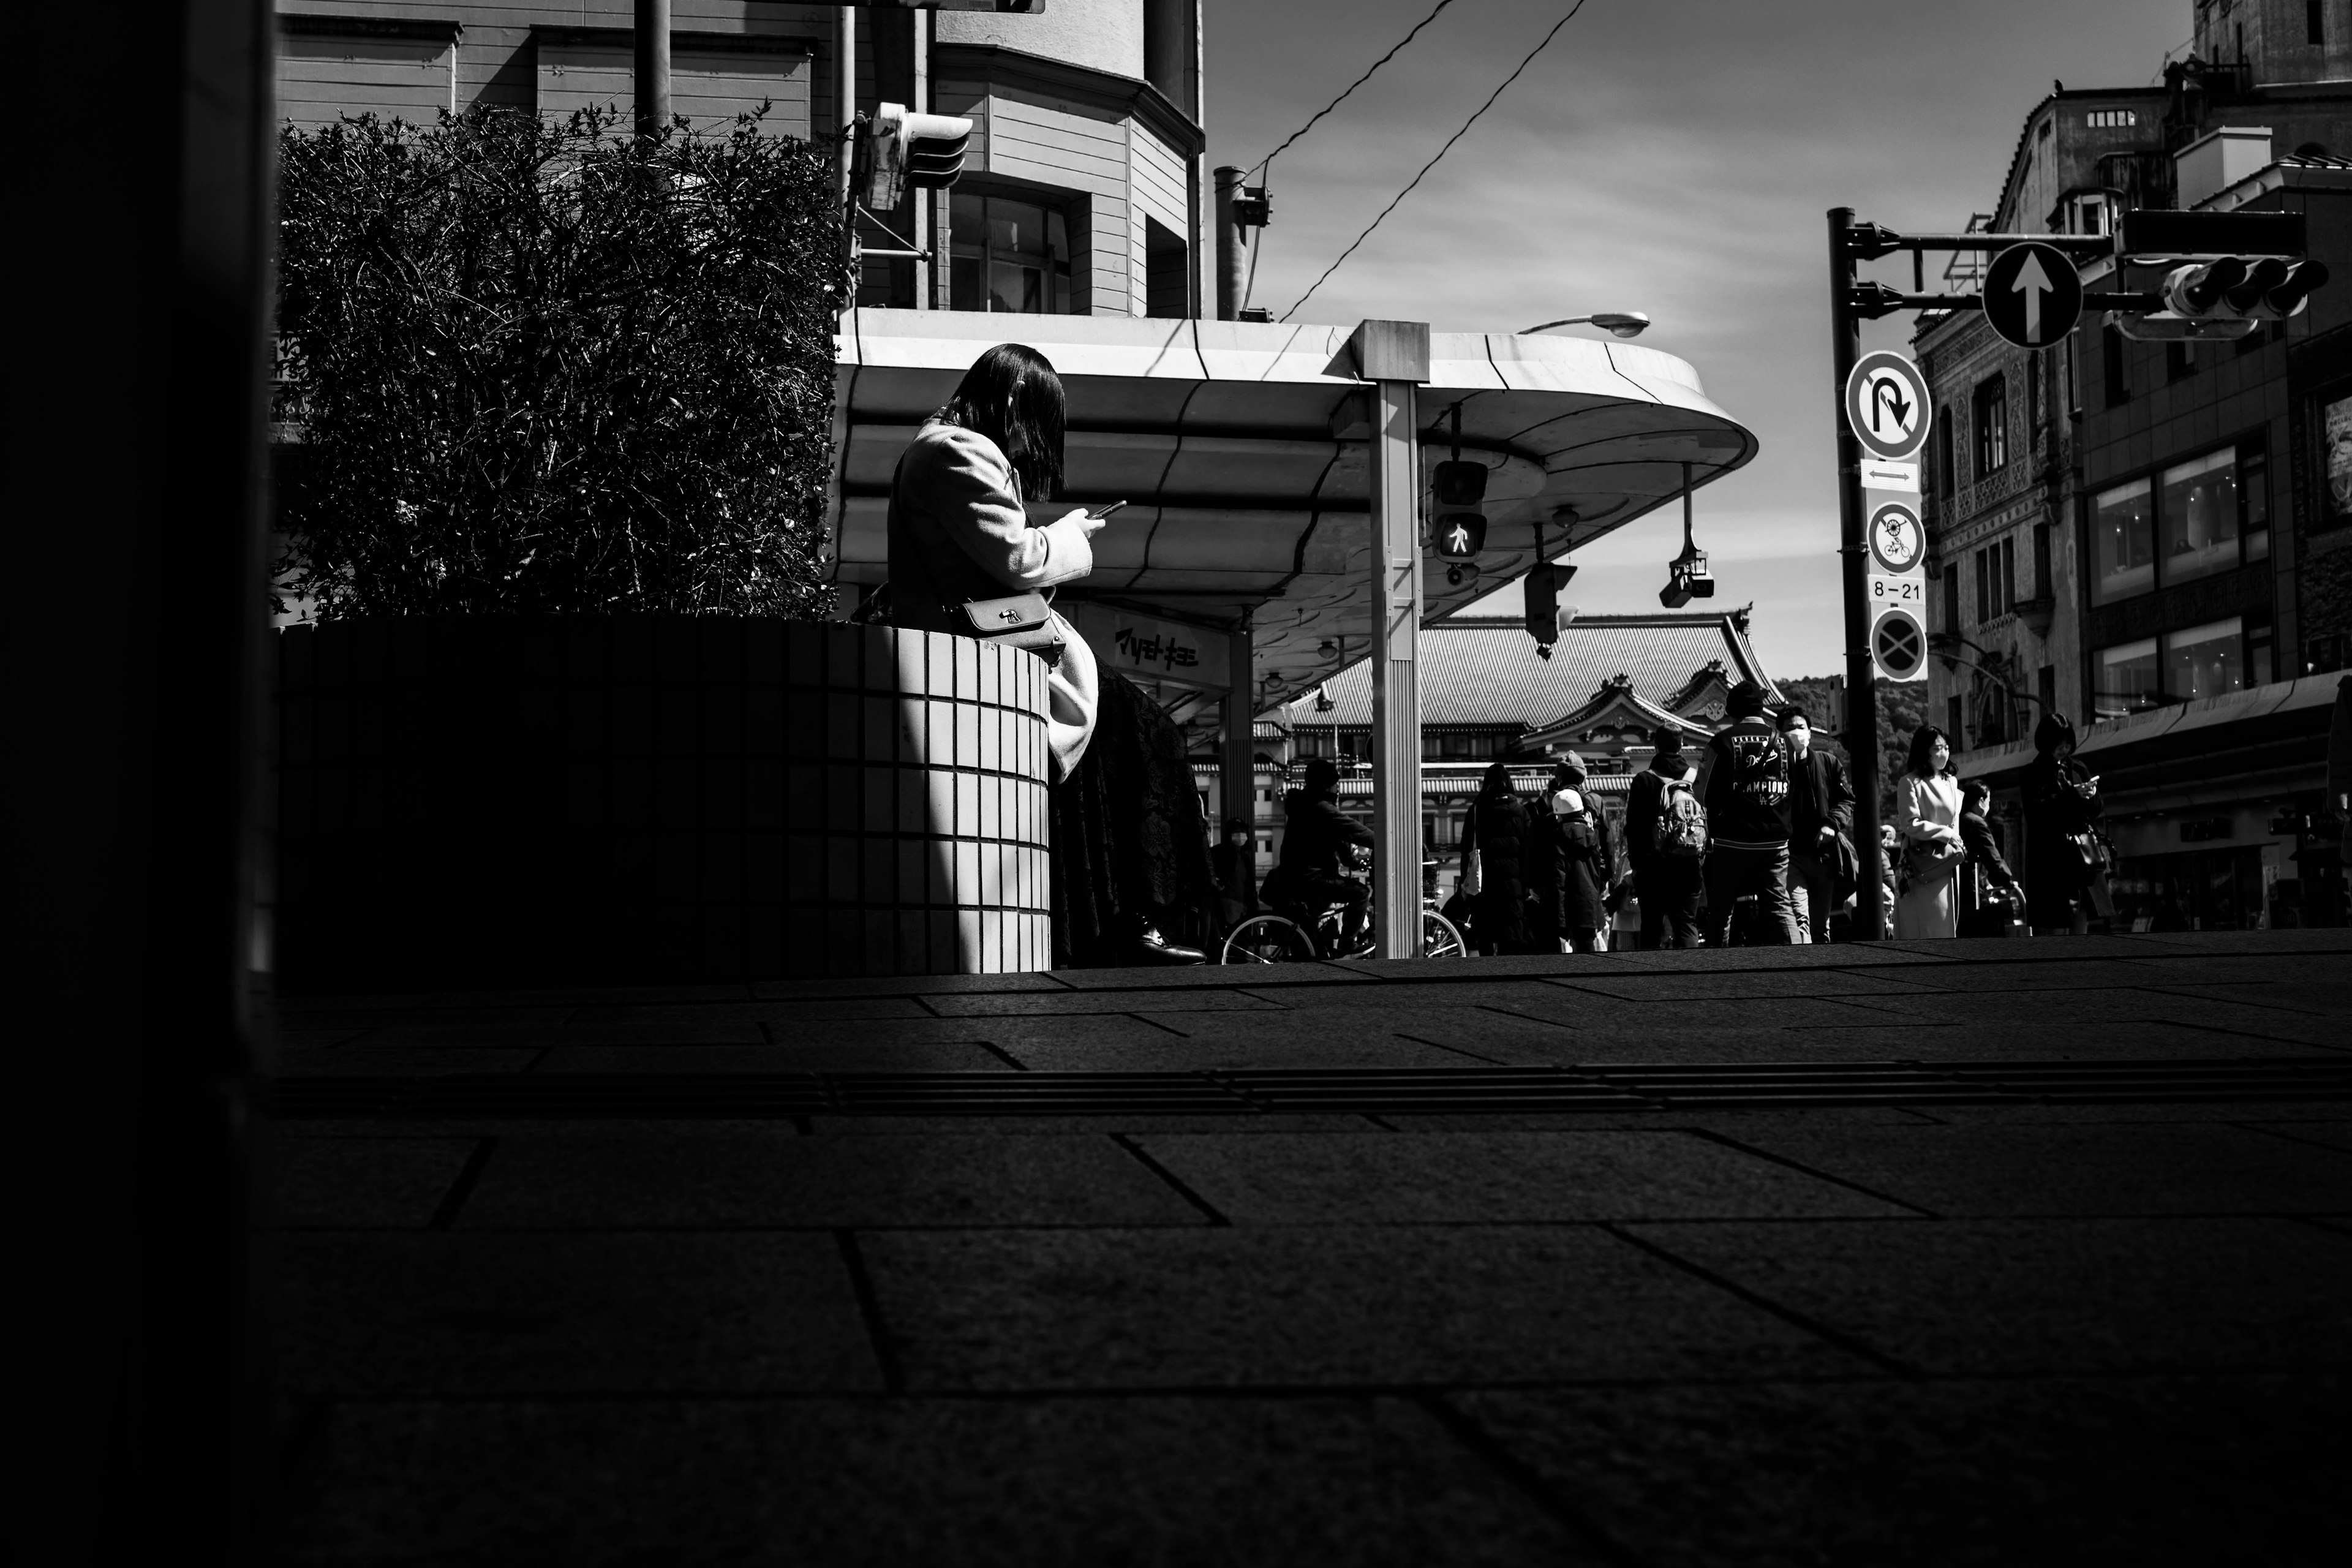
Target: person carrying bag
[{"x": 964, "y": 555}]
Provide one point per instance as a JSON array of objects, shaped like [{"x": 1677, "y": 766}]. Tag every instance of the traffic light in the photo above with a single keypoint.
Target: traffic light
[
  {"x": 1460, "y": 531},
  {"x": 903, "y": 149},
  {"x": 1545, "y": 580},
  {"x": 2224, "y": 273}
]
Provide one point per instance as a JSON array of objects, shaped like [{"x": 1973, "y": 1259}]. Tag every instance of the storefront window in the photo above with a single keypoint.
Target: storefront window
[
  {"x": 2200, "y": 517},
  {"x": 2128, "y": 678},
  {"x": 2254, "y": 487},
  {"x": 1008, "y": 256},
  {"x": 2123, "y": 542},
  {"x": 2205, "y": 661}
]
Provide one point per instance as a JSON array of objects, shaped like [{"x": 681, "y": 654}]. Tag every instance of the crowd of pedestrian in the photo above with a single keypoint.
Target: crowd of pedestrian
[{"x": 1751, "y": 841}]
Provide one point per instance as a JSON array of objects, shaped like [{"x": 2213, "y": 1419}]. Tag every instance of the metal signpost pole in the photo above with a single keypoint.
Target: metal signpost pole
[
  {"x": 652, "y": 41},
  {"x": 1394, "y": 357},
  {"x": 1860, "y": 683},
  {"x": 1237, "y": 776}
]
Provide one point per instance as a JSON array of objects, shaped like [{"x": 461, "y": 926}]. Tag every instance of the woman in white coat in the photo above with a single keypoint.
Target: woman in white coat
[
  {"x": 1927, "y": 816},
  {"x": 959, "y": 530}
]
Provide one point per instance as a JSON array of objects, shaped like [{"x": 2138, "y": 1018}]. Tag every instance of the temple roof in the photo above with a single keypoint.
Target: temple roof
[{"x": 1484, "y": 672}]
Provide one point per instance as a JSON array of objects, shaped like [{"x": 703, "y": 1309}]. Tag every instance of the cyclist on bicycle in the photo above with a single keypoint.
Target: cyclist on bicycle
[{"x": 1318, "y": 843}]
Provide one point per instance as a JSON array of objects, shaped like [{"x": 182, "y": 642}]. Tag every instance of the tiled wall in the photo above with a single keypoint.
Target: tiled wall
[{"x": 498, "y": 802}]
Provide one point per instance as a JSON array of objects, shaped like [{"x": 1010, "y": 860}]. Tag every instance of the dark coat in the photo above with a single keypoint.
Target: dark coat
[
  {"x": 1313, "y": 833},
  {"x": 1820, "y": 796},
  {"x": 1128, "y": 836},
  {"x": 1644, "y": 798},
  {"x": 1984, "y": 850},
  {"x": 1568, "y": 863},
  {"x": 2057, "y": 806},
  {"x": 1496, "y": 827}
]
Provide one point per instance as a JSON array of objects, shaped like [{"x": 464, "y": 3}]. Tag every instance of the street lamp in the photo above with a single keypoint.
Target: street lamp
[{"x": 1620, "y": 323}]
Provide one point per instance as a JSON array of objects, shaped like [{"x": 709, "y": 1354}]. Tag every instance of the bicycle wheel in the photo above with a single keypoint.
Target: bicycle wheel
[
  {"x": 1439, "y": 938},
  {"x": 1267, "y": 938}
]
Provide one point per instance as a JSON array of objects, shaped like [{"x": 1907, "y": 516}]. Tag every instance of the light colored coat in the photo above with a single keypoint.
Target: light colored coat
[{"x": 958, "y": 531}]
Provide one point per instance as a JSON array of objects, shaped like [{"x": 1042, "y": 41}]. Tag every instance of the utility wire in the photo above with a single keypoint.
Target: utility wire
[
  {"x": 1352, "y": 86},
  {"x": 1425, "y": 168}
]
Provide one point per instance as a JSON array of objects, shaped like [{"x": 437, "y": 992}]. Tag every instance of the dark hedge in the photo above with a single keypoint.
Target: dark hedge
[{"x": 542, "y": 367}]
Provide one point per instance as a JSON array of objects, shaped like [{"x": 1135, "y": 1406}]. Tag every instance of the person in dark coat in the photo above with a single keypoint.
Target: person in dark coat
[
  {"x": 1987, "y": 884},
  {"x": 1496, "y": 830},
  {"x": 1743, "y": 782},
  {"x": 1319, "y": 841},
  {"x": 1568, "y": 865},
  {"x": 1234, "y": 864},
  {"x": 1821, "y": 812},
  {"x": 2063, "y": 883},
  {"x": 1666, "y": 887}
]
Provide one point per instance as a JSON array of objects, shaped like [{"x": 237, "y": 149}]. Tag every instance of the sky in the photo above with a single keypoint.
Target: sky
[{"x": 1669, "y": 156}]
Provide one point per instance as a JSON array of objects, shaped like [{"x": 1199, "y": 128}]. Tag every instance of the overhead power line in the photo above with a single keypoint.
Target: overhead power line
[
  {"x": 1425, "y": 168},
  {"x": 1352, "y": 86}
]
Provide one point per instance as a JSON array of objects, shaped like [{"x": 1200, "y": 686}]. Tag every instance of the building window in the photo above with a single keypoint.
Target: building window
[
  {"x": 2205, "y": 661},
  {"x": 2195, "y": 518},
  {"x": 2033, "y": 401},
  {"x": 1997, "y": 579},
  {"x": 2045, "y": 688},
  {"x": 1991, "y": 407},
  {"x": 2336, "y": 422},
  {"x": 1952, "y": 600},
  {"x": 1945, "y": 478},
  {"x": 2179, "y": 360},
  {"x": 1953, "y": 709},
  {"x": 2111, "y": 119},
  {"x": 2254, "y": 497},
  {"x": 2112, "y": 367},
  {"x": 2200, "y": 517},
  {"x": 2208, "y": 660},
  {"x": 1008, "y": 256},
  {"x": 2126, "y": 679},
  {"x": 2123, "y": 542},
  {"x": 1166, "y": 273},
  {"x": 2314, "y": 24},
  {"x": 2041, "y": 561}
]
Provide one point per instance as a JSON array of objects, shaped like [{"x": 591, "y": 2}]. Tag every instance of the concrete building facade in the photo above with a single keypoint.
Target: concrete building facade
[{"x": 2120, "y": 529}]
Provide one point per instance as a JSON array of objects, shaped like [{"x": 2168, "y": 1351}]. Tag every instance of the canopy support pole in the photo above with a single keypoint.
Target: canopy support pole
[
  {"x": 1394, "y": 357},
  {"x": 1238, "y": 772}
]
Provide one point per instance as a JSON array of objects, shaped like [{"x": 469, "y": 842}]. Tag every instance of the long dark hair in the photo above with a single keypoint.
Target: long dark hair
[
  {"x": 1012, "y": 395},
  {"x": 1498, "y": 783},
  {"x": 1921, "y": 764}
]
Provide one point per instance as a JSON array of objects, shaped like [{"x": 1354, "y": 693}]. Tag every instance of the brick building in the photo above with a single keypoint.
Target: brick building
[{"x": 2119, "y": 529}]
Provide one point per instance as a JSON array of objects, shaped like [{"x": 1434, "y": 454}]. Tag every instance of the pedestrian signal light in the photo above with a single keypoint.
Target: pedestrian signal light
[
  {"x": 924, "y": 151},
  {"x": 1461, "y": 535},
  {"x": 1459, "y": 483}
]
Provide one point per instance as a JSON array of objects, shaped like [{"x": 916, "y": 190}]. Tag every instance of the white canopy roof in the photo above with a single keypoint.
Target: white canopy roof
[{"x": 1248, "y": 489}]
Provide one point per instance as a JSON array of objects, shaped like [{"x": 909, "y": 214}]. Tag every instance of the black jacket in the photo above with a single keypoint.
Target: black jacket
[
  {"x": 1643, "y": 804},
  {"x": 1746, "y": 787},
  {"x": 1568, "y": 866},
  {"x": 1819, "y": 797},
  {"x": 1498, "y": 827},
  {"x": 1315, "y": 830},
  {"x": 1984, "y": 850}
]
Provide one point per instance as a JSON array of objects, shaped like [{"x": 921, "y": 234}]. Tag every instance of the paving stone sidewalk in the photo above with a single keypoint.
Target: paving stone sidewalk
[{"x": 1938, "y": 1252}]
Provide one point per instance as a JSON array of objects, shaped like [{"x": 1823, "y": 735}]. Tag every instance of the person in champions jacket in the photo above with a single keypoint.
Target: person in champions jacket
[{"x": 1743, "y": 783}]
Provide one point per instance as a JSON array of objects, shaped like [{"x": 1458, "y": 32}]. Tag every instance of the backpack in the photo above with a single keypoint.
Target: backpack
[{"x": 1682, "y": 823}]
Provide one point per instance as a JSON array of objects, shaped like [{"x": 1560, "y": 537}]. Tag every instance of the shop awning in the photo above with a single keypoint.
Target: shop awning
[{"x": 1236, "y": 445}]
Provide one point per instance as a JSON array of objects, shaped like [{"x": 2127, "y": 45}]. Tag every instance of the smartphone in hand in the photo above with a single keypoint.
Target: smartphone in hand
[{"x": 1098, "y": 513}]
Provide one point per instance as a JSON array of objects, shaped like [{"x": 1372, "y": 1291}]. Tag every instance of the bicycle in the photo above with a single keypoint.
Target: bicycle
[{"x": 1297, "y": 933}]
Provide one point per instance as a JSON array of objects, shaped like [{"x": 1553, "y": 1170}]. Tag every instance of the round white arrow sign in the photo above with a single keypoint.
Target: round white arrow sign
[{"x": 2032, "y": 296}]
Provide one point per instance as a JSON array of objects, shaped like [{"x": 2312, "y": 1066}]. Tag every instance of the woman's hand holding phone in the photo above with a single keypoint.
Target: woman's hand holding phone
[{"x": 1092, "y": 522}]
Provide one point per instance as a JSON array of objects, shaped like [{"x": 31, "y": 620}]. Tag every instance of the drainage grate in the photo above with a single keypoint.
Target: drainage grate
[{"x": 1363, "y": 1091}]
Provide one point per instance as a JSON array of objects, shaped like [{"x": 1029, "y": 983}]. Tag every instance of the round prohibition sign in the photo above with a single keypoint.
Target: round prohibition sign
[
  {"x": 2032, "y": 295},
  {"x": 1897, "y": 540},
  {"x": 1899, "y": 644},
  {"x": 1886, "y": 406}
]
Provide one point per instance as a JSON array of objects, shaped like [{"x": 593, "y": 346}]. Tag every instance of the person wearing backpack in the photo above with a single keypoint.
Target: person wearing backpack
[
  {"x": 1744, "y": 785},
  {"x": 1568, "y": 865},
  {"x": 1665, "y": 836}
]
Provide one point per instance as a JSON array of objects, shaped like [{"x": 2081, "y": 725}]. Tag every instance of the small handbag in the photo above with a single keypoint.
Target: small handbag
[{"x": 1019, "y": 620}]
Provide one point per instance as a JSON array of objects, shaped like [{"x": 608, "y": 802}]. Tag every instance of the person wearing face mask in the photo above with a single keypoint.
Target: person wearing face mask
[
  {"x": 1821, "y": 809},
  {"x": 1927, "y": 817}
]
